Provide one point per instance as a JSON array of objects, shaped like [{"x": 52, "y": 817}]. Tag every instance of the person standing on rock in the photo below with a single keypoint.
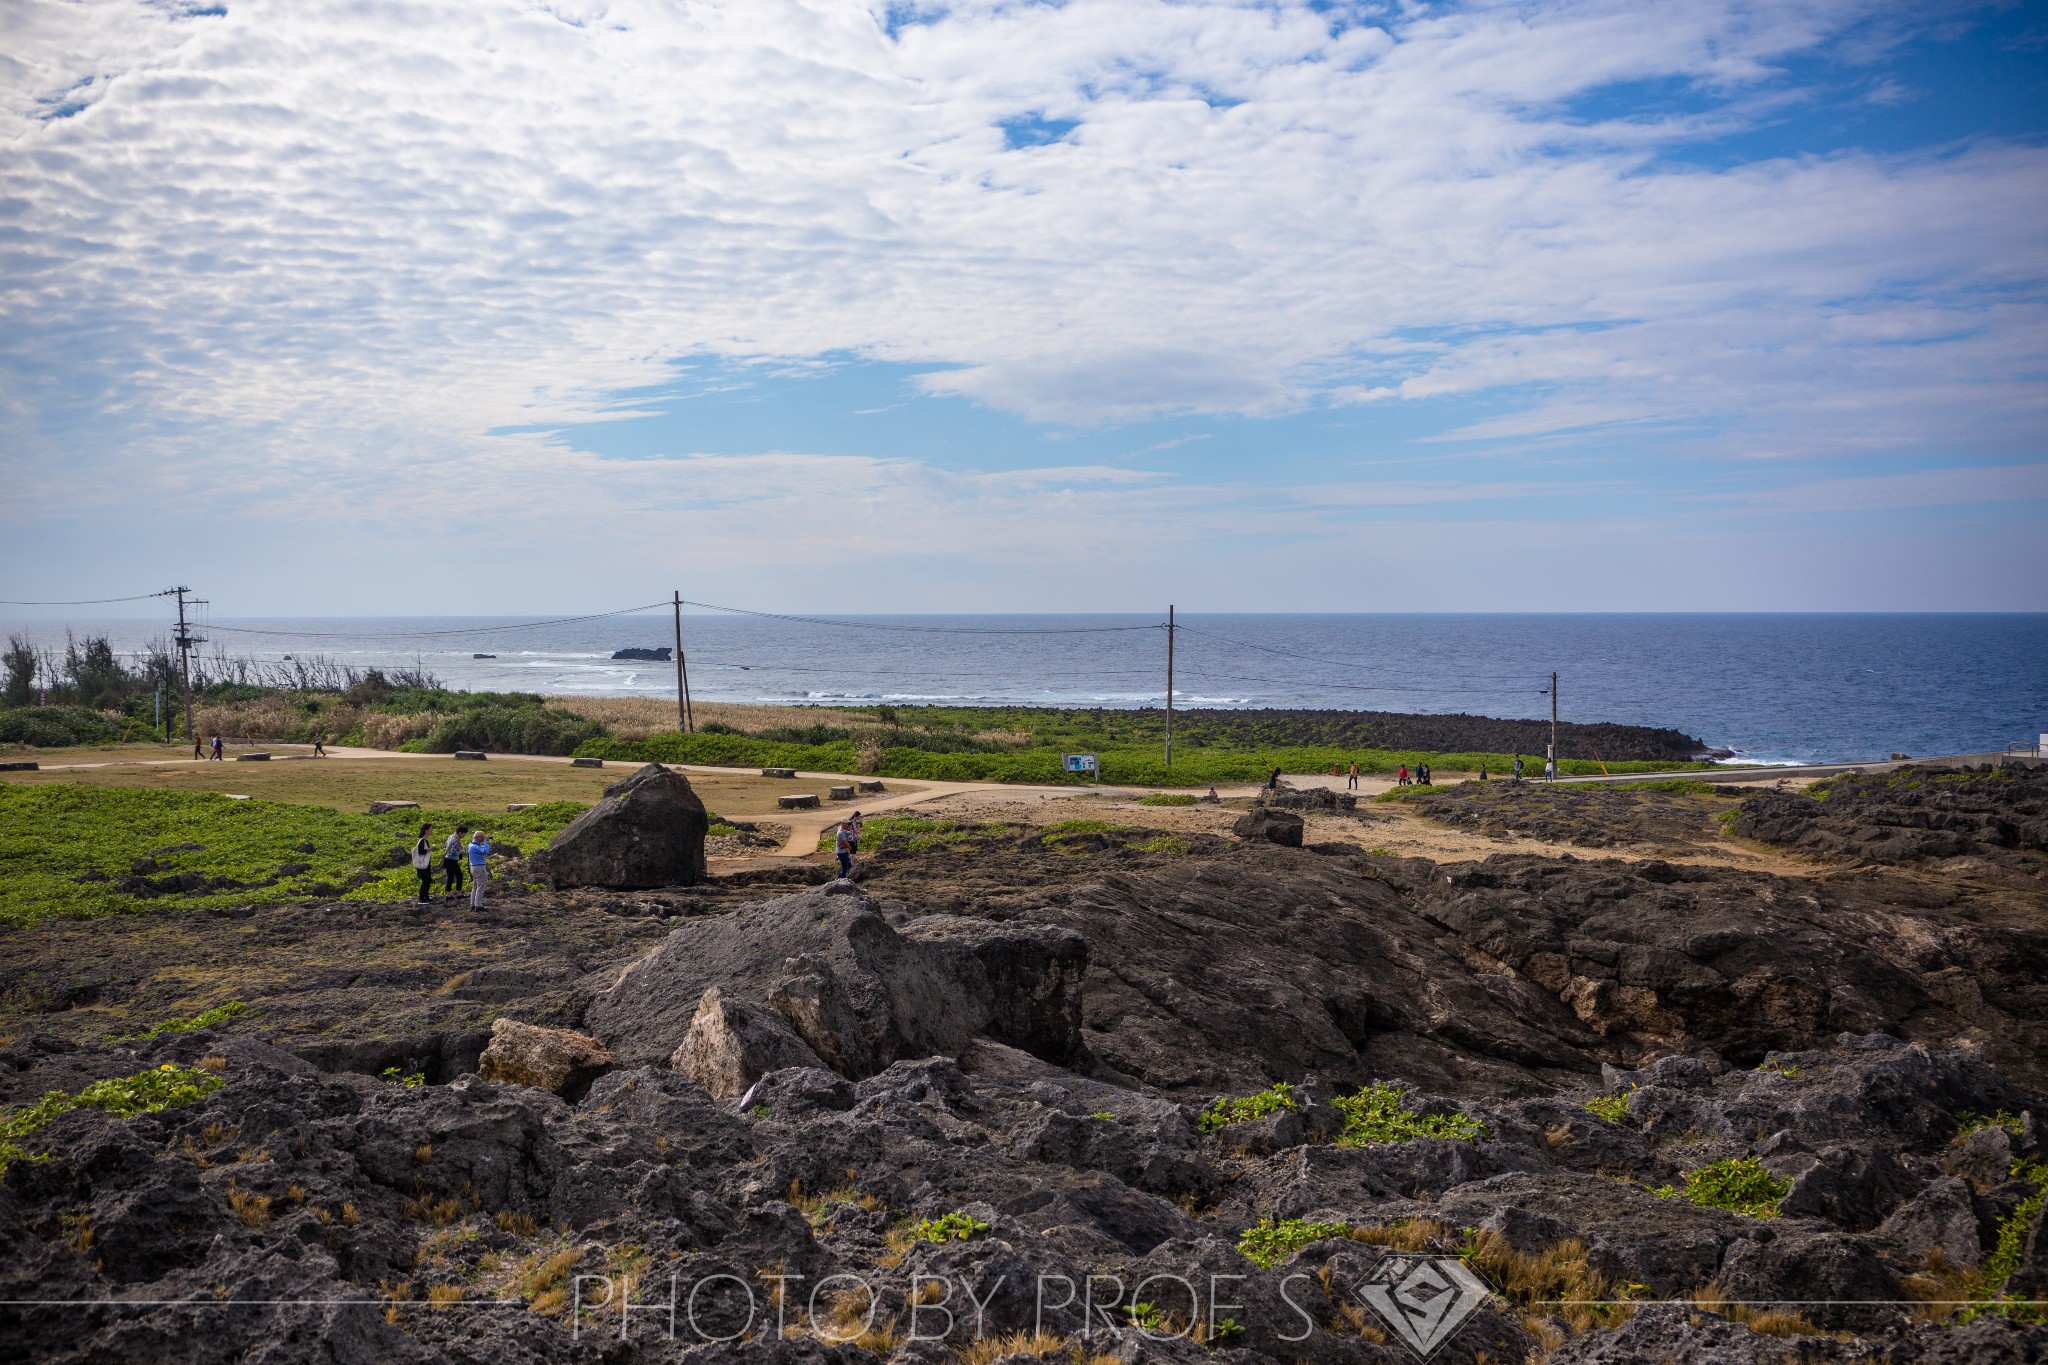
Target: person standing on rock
[
  {"x": 1273, "y": 782},
  {"x": 423, "y": 864},
  {"x": 451, "y": 860},
  {"x": 479, "y": 875},
  {"x": 1352, "y": 781}
]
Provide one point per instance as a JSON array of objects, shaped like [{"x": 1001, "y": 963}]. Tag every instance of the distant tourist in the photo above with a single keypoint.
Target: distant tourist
[
  {"x": 1212, "y": 796},
  {"x": 1550, "y": 770},
  {"x": 844, "y": 844},
  {"x": 1518, "y": 767},
  {"x": 1352, "y": 781},
  {"x": 198, "y": 749},
  {"x": 1482, "y": 772},
  {"x": 479, "y": 850},
  {"x": 1273, "y": 782},
  {"x": 1401, "y": 778},
  {"x": 451, "y": 859},
  {"x": 217, "y": 756},
  {"x": 319, "y": 746},
  {"x": 423, "y": 864}
]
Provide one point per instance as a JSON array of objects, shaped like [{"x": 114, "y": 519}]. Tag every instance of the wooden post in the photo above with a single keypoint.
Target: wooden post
[
  {"x": 683, "y": 717},
  {"x": 1169, "y": 686}
]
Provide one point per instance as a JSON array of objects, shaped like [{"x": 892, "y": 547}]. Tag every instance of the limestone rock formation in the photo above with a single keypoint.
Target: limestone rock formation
[
  {"x": 860, "y": 993},
  {"x": 647, "y": 832},
  {"x": 732, "y": 1043},
  {"x": 544, "y": 1058}
]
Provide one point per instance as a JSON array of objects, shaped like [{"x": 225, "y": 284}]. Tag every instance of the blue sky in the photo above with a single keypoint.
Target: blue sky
[{"x": 1578, "y": 304}]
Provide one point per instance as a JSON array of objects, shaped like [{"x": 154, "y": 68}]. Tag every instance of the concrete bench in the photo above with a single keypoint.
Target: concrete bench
[
  {"x": 797, "y": 802},
  {"x": 839, "y": 793},
  {"x": 252, "y": 758},
  {"x": 872, "y": 787},
  {"x": 17, "y": 767},
  {"x": 778, "y": 772},
  {"x": 519, "y": 805},
  {"x": 382, "y": 807},
  {"x": 473, "y": 755},
  {"x": 586, "y": 763}
]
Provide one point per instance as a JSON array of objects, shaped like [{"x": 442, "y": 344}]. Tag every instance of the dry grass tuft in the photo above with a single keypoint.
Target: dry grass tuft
[
  {"x": 1559, "y": 1280},
  {"x": 1769, "y": 1322},
  {"x": 252, "y": 1209},
  {"x": 988, "y": 1350},
  {"x": 518, "y": 1224},
  {"x": 441, "y": 1295},
  {"x": 1407, "y": 1234},
  {"x": 540, "y": 1283}
]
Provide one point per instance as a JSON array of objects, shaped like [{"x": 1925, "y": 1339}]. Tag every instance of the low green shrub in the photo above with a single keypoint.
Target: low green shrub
[
  {"x": 1968, "y": 1122},
  {"x": 1226, "y": 1111},
  {"x": 514, "y": 730},
  {"x": 957, "y": 1226},
  {"x": 1738, "y": 1184},
  {"x": 2008, "y": 1249},
  {"x": 1168, "y": 799},
  {"x": 165, "y": 1087},
  {"x": 57, "y": 727},
  {"x": 1376, "y": 1114},
  {"x": 1267, "y": 1243},
  {"x": 1609, "y": 1108}
]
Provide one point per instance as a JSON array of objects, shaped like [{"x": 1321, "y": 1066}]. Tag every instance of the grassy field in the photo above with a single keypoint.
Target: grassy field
[
  {"x": 350, "y": 784},
  {"x": 82, "y": 850}
]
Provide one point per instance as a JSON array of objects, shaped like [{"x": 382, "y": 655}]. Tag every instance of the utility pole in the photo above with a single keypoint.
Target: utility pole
[
  {"x": 1556, "y": 759},
  {"x": 683, "y": 716},
  {"x": 1169, "y": 686},
  {"x": 185, "y": 642}
]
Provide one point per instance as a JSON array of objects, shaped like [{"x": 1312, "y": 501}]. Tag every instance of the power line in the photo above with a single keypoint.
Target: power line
[
  {"x": 927, "y": 630},
  {"x": 93, "y": 601},
  {"x": 1311, "y": 658},
  {"x": 431, "y": 634}
]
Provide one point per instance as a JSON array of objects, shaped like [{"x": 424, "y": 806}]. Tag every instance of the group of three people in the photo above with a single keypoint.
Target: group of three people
[{"x": 475, "y": 850}]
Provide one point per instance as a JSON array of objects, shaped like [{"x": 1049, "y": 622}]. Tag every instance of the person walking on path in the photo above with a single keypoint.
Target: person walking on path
[
  {"x": 1401, "y": 778},
  {"x": 1518, "y": 767},
  {"x": 479, "y": 875},
  {"x": 451, "y": 860},
  {"x": 1352, "y": 782},
  {"x": 217, "y": 750},
  {"x": 844, "y": 845},
  {"x": 423, "y": 864},
  {"x": 1482, "y": 772},
  {"x": 319, "y": 745},
  {"x": 198, "y": 749}
]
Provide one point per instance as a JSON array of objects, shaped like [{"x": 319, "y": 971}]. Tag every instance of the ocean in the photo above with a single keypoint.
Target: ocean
[{"x": 1772, "y": 688}]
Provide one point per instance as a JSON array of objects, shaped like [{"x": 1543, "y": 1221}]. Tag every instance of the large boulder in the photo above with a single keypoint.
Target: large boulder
[
  {"x": 857, "y": 991},
  {"x": 545, "y": 1058},
  {"x": 732, "y": 1043},
  {"x": 647, "y": 832},
  {"x": 1281, "y": 827}
]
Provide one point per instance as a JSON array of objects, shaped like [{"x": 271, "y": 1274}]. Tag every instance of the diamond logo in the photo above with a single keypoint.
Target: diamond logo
[{"x": 1425, "y": 1299}]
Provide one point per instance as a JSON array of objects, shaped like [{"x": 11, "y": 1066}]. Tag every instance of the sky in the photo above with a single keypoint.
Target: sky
[{"x": 371, "y": 306}]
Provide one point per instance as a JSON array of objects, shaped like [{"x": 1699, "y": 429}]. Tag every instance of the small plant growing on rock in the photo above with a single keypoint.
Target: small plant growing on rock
[
  {"x": 1739, "y": 1184},
  {"x": 2010, "y": 1248},
  {"x": 1267, "y": 1243},
  {"x": 1376, "y": 1114},
  {"x": 1968, "y": 1122},
  {"x": 1145, "y": 1315},
  {"x": 1226, "y": 1111},
  {"x": 146, "y": 1092},
  {"x": 1610, "y": 1108},
  {"x": 957, "y": 1226},
  {"x": 412, "y": 1080}
]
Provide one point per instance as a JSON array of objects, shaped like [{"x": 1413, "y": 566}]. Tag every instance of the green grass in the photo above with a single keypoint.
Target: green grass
[
  {"x": 1267, "y": 1243},
  {"x": 1167, "y": 799},
  {"x": 1968, "y": 1123},
  {"x": 1226, "y": 1111},
  {"x": 1376, "y": 1114},
  {"x": 165, "y": 1087},
  {"x": 2010, "y": 1247},
  {"x": 219, "y": 1014},
  {"x": 52, "y": 837},
  {"x": 1738, "y": 1184}
]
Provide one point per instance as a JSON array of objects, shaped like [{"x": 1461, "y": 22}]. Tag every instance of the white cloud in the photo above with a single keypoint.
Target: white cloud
[{"x": 309, "y": 251}]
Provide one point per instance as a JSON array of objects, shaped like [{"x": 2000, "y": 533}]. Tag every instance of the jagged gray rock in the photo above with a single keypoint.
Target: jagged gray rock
[{"x": 732, "y": 1043}]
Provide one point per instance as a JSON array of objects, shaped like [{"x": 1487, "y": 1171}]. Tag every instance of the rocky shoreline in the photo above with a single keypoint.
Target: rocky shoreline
[{"x": 1094, "y": 1094}]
